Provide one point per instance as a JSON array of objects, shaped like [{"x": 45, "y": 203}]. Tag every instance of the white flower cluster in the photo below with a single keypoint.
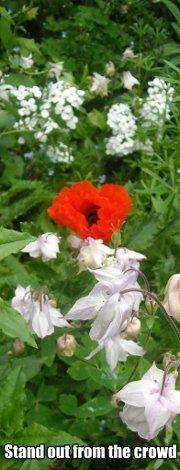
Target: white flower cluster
[
  {"x": 38, "y": 310},
  {"x": 156, "y": 108},
  {"x": 123, "y": 124},
  {"x": 59, "y": 154},
  {"x": 112, "y": 304},
  {"x": 43, "y": 110},
  {"x": 99, "y": 85}
]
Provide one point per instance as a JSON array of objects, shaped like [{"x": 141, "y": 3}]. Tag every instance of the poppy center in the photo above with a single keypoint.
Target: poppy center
[{"x": 92, "y": 215}]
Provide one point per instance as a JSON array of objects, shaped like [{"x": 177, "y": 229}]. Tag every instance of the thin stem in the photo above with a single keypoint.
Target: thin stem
[{"x": 153, "y": 297}]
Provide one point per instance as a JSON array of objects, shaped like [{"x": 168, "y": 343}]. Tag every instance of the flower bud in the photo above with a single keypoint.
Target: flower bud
[
  {"x": 18, "y": 347},
  {"x": 74, "y": 242},
  {"x": 132, "y": 328},
  {"x": 66, "y": 345},
  {"x": 110, "y": 69},
  {"x": 172, "y": 297}
]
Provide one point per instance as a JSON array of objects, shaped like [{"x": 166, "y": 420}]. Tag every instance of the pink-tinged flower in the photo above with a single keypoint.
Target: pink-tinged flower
[
  {"x": 150, "y": 403},
  {"x": 38, "y": 311},
  {"x": 93, "y": 253},
  {"x": 46, "y": 246},
  {"x": 128, "y": 80},
  {"x": 172, "y": 297}
]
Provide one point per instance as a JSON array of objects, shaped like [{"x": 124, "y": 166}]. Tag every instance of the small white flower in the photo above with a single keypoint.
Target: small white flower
[
  {"x": 21, "y": 141},
  {"x": 55, "y": 69},
  {"x": 46, "y": 246},
  {"x": 93, "y": 253},
  {"x": 128, "y": 53},
  {"x": 26, "y": 62},
  {"x": 99, "y": 85},
  {"x": 129, "y": 81},
  {"x": 36, "y": 91}
]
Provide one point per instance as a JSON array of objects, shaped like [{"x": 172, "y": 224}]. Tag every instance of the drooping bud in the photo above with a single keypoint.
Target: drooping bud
[
  {"x": 172, "y": 297},
  {"x": 74, "y": 242},
  {"x": 18, "y": 347},
  {"x": 133, "y": 328},
  {"x": 110, "y": 69},
  {"x": 66, "y": 345}
]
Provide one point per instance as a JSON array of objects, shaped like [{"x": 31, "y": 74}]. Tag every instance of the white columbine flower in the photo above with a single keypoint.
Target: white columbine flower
[
  {"x": 26, "y": 62},
  {"x": 93, "y": 253},
  {"x": 46, "y": 246},
  {"x": 105, "y": 303},
  {"x": 128, "y": 80},
  {"x": 117, "y": 349},
  {"x": 150, "y": 403},
  {"x": 38, "y": 311},
  {"x": 99, "y": 85}
]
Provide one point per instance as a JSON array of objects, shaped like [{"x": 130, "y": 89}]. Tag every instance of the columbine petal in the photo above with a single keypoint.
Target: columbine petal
[
  {"x": 85, "y": 308},
  {"x": 157, "y": 416},
  {"x": 33, "y": 249},
  {"x": 133, "y": 394},
  {"x": 135, "y": 419}
]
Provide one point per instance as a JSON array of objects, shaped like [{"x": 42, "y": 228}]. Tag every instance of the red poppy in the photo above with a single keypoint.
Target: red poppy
[{"x": 89, "y": 211}]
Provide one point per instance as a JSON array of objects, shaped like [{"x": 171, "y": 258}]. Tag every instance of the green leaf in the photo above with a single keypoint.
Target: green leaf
[
  {"x": 13, "y": 325},
  {"x": 35, "y": 465},
  {"x": 12, "y": 241},
  {"x": 5, "y": 29},
  {"x": 173, "y": 9},
  {"x": 36, "y": 433},
  {"x": 97, "y": 119},
  {"x": 6, "y": 119},
  {"x": 98, "y": 406},
  {"x": 145, "y": 236},
  {"x": 12, "y": 398},
  {"x": 68, "y": 404},
  {"x": 48, "y": 350}
]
